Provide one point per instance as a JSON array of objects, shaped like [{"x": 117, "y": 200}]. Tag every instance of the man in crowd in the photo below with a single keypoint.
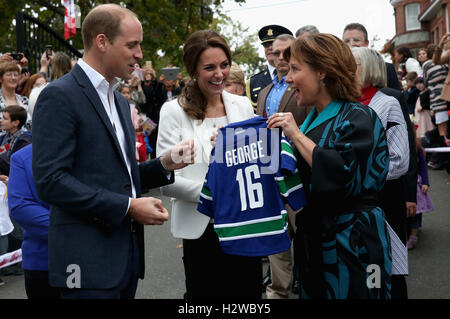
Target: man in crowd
[
  {"x": 306, "y": 30},
  {"x": 260, "y": 80},
  {"x": 85, "y": 167},
  {"x": 355, "y": 35}
]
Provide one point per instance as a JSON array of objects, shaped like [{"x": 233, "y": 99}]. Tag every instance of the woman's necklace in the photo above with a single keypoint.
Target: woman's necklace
[{"x": 9, "y": 100}]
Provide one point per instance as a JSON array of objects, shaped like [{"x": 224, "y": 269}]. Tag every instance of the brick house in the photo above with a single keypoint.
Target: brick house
[{"x": 418, "y": 23}]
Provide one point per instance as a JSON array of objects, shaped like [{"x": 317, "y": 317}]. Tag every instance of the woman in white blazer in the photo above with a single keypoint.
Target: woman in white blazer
[{"x": 201, "y": 109}]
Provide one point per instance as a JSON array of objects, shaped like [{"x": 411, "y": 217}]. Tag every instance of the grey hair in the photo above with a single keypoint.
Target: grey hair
[
  {"x": 372, "y": 70},
  {"x": 307, "y": 28},
  {"x": 34, "y": 94},
  {"x": 285, "y": 37}
]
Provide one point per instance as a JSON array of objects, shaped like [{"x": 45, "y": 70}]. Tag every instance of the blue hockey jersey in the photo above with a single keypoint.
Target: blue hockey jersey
[{"x": 251, "y": 175}]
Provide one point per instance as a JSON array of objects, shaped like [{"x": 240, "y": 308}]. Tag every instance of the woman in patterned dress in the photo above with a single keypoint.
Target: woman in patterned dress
[{"x": 343, "y": 160}]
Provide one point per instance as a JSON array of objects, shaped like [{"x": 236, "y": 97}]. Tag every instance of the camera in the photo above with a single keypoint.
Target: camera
[
  {"x": 48, "y": 50},
  {"x": 16, "y": 56}
]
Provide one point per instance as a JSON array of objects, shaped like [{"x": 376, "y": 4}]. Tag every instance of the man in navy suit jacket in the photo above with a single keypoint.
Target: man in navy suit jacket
[{"x": 84, "y": 165}]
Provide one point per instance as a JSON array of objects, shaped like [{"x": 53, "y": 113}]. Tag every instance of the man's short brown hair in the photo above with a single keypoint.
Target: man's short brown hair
[{"x": 103, "y": 19}]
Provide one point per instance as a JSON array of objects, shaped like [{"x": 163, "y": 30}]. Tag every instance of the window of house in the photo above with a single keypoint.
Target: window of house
[{"x": 412, "y": 16}]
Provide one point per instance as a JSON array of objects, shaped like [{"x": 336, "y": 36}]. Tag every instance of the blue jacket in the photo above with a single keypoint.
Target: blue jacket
[
  {"x": 80, "y": 170},
  {"x": 28, "y": 210}
]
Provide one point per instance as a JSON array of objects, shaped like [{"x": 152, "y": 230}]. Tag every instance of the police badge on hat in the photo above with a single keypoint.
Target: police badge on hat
[{"x": 270, "y": 32}]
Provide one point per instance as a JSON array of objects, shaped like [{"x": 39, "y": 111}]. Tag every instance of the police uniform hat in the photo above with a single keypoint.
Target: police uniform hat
[{"x": 270, "y": 32}]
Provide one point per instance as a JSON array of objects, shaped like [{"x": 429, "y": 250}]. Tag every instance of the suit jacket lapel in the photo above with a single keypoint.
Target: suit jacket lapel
[
  {"x": 264, "y": 92},
  {"x": 288, "y": 94},
  {"x": 123, "y": 109},
  {"x": 91, "y": 93}
]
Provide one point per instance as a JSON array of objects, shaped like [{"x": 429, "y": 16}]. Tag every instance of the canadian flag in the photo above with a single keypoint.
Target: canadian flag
[{"x": 70, "y": 28}]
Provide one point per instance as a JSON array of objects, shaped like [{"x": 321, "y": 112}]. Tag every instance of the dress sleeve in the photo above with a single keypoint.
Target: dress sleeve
[{"x": 353, "y": 155}]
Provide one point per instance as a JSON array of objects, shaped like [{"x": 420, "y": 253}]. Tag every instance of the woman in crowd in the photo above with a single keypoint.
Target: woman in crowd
[
  {"x": 203, "y": 107},
  {"x": 422, "y": 56},
  {"x": 372, "y": 77},
  {"x": 9, "y": 80},
  {"x": 407, "y": 64},
  {"x": 343, "y": 161},
  {"x": 61, "y": 64},
  {"x": 35, "y": 80},
  {"x": 235, "y": 83},
  {"x": 442, "y": 56}
]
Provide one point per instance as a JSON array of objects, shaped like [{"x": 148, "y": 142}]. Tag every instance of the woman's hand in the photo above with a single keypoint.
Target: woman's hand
[
  {"x": 286, "y": 121},
  {"x": 213, "y": 138}
]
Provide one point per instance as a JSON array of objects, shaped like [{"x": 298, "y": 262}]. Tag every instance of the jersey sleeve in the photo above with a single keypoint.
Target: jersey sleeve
[
  {"x": 288, "y": 160},
  {"x": 288, "y": 178},
  {"x": 205, "y": 202}
]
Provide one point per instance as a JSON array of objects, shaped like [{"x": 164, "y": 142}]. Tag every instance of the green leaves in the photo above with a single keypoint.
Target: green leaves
[{"x": 166, "y": 25}]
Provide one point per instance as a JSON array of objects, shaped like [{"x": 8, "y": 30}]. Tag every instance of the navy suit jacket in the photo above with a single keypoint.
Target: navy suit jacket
[{"x": 80, "y": 171}]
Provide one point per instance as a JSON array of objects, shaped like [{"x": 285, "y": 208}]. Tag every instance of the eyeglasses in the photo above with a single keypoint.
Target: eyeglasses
[
  {"x": 11, "y": 74},
  {"x": 276, "y": 53}
]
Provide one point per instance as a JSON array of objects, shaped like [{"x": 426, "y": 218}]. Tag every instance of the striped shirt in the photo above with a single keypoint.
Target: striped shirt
[
  {"x": 390, "y": 113},
  {"x": 434, "y": 80}
]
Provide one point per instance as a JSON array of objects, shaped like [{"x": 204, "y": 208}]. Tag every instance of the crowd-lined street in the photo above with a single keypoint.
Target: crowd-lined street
[{"x": 428, "y": 263}]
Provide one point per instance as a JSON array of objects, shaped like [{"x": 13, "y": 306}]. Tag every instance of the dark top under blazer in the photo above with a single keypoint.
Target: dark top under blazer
[{"x": 80, "y": 171}]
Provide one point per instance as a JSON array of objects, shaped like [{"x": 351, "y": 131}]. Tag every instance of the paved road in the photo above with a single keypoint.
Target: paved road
[{"x": 429, "y": 263}]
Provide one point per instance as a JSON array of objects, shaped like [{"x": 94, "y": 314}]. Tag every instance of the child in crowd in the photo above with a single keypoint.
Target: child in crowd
[
  {"x": 136, "y": 118},
  {"x": 410, "y": 92},
  {"x": 141, "y": 145},
  {"x": 422, "y": 116},
  {"x": 424, "y": 203}
]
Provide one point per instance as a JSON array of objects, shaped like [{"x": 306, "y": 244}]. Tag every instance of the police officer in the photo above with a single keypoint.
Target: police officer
[{"x": 260, "y": 80}]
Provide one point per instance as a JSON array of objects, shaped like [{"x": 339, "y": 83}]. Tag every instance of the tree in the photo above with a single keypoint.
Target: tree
[
  {"x": 166, "y": 25},
  {"x": 241, "y": 44}
]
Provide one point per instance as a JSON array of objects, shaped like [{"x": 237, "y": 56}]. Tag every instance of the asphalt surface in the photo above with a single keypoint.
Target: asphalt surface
[{"x": 429, "y": 262}]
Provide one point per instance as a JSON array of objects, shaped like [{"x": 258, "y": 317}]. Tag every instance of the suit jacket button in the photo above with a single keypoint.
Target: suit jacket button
[{"x": 128, "y": 187}]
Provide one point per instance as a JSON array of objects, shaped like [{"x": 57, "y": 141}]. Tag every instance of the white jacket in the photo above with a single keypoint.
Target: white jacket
[{"x": 176, "y": 126}]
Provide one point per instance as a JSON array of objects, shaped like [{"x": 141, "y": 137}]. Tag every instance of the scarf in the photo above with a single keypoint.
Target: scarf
[{"x": 367, "y": 94}]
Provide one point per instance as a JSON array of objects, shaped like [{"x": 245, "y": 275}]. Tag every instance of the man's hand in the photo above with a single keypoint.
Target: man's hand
[
  {"x": 148, "y": 211},
  {"x": 180, "y": 156},
  {"x": 4, "y": 179},
  {"x": 411, "y": 208}
]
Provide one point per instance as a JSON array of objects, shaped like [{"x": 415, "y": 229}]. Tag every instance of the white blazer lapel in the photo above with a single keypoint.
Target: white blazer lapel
[
  {"x": 201, "y": 136},
  {"x": 231, "y": 107}
]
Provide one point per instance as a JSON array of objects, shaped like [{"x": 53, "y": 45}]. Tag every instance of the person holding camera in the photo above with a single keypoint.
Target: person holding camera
[
  {"x": 54, "y": 65},
  {"x": 20, "y": 59},
  {"x": 9, "y": 80}
]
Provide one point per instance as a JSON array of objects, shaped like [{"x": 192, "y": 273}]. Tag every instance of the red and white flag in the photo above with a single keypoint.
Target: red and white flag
[{"x": 70, "y": 28}]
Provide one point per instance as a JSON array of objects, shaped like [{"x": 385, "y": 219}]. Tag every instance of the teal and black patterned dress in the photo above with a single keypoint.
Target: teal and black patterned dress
[{"x": 342, "y": 242}]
